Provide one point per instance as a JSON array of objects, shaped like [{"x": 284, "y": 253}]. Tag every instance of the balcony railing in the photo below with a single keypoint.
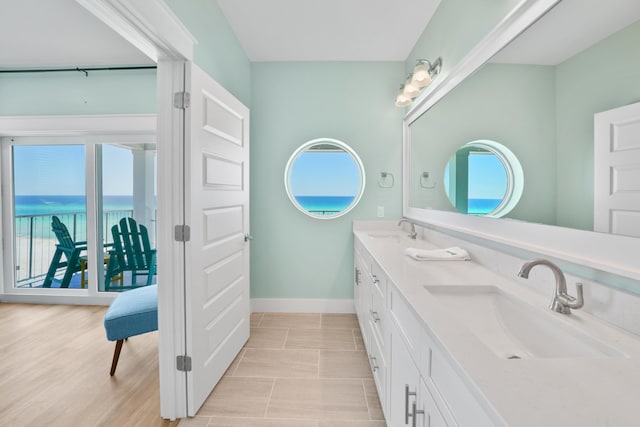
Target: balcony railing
[{"x": 35, "y": 243}]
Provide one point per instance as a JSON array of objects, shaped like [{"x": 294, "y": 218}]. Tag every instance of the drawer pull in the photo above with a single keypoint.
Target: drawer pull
[
  {"x": 407, "y": 393},
  {"x": 374, "y": 366},
  {"x": 415, "y": 414}
]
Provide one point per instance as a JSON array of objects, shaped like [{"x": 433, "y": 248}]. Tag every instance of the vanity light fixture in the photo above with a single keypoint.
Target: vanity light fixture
[
  {"x": 403, "y": 100},
  {"x": 423, "y": 74}
]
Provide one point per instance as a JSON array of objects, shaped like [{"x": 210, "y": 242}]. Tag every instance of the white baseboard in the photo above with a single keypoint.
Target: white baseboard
[
  {"x": 291, "y": 305},
  {"x": 56, "y": 299}
]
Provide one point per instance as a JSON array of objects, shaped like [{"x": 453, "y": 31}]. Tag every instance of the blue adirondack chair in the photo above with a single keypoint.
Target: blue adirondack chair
[
  {"x": 71, "y": 251},
  {"x": 131, "y": 252}
]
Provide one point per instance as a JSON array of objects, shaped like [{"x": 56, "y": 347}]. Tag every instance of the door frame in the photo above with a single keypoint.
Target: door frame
[{"x": 152, "y": 27}]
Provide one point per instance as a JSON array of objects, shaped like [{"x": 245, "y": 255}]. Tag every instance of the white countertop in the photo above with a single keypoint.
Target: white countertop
[{"x": 540, "y": 392}]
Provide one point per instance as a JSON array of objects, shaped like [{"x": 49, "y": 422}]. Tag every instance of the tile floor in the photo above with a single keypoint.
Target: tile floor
[{"x": 296, "y": 370}]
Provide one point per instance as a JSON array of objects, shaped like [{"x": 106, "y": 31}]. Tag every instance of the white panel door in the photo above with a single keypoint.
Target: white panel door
[
  {"x": 617, "y": 171},
  {"x": 217, "y": 211}
]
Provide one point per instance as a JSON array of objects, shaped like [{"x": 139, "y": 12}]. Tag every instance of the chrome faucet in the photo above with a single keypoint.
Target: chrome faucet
[
  {"x": 413, "y": 233},
  {"x": 562, "y": 301}
]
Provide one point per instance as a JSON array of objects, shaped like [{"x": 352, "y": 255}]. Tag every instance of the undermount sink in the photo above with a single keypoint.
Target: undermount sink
[
  {"x": 513, "y": 329},
  {"x": 386, "y": 235}
]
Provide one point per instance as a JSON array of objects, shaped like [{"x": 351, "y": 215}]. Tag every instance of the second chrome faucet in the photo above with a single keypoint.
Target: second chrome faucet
[
  {"x": 413, "y": 232},
  {"x": 562, "y": 302}
]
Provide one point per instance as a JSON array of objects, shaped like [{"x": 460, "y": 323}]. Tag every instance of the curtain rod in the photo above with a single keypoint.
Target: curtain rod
[{"x": 84, "y": 70}]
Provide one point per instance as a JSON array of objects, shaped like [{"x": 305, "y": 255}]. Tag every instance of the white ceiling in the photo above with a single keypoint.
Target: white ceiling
[
  {"x": 328, "y": 30},
  {"x": 59, "y": 33},
  {"x": 571, "y": 27}
]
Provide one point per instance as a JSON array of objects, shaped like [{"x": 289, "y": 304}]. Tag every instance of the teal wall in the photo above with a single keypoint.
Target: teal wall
[
  {"x": 510, "y": 104},
  {"x": 456, "y": 27},
  {"x": 102, "y": 92},
  {"x": 218, "y": 51},
  {"x": 293, "y": 255},
  {"x": 601, "y": 78}
]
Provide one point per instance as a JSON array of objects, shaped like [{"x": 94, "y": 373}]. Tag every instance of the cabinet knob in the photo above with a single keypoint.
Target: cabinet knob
[
  {"x": 374, "y": 315},
  {"x": 374, "y": 366}
]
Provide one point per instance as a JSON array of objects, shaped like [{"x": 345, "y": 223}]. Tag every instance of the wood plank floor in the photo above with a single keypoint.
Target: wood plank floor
[
  {"x": 54, "y": 370},
  {"x": 296, "y": 370}
]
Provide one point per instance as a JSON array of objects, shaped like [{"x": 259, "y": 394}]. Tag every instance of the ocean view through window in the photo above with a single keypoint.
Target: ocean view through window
[
  {"x": 50, "y": 184},
  {"x": 324, "y": 178}
]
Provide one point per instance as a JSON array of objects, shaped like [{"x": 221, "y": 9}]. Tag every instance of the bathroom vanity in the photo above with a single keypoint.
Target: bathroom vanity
[{"x": 454, "y": 343}]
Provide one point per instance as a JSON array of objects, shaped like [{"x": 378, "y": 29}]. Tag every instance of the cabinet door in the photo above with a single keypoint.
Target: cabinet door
[
  {"x": 403, "y": 383},
  {"x": 361, "y": 297},
  {"x": 426, "y": 412}
]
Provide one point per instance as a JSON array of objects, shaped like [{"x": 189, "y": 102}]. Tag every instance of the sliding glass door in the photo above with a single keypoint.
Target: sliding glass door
[
  {"x": 50, "y": 215},
  {"x": 66, "y": 195},
  {"x": 128, "y": 192}
]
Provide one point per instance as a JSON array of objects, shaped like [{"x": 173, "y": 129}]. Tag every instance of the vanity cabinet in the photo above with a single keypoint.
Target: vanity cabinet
[
  {"x": 410, "y": 401},
  {"x": 370, "y": 291},
  {"x": 415, "y": 377}
]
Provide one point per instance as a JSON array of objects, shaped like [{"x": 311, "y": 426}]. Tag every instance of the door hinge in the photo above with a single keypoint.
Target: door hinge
[
  {"x": 182, "y": 100},
  {"x": 183, "y": 363},
  {"x": 182, "y": 233}
]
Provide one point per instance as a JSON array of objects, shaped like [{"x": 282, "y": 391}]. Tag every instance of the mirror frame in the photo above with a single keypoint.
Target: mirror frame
[{"x": 610, "y": 259}]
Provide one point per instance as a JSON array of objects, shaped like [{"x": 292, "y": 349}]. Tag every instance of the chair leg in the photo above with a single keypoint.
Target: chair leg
[
  {"x": 116, "y": 356},
  {"x": 52, "y": 269}
]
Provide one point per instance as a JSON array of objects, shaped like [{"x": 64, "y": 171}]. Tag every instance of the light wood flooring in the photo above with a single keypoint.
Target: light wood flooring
[
  {"x": 296, "y": 370},
  {"x": 302, "y": 370},
  {"x": 54, "y": 370}
]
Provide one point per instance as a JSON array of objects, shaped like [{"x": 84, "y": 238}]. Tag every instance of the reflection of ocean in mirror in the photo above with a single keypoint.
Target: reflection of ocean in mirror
[
  {"x": 482, "y": 206},
  {"x": 325, "y": 205}
]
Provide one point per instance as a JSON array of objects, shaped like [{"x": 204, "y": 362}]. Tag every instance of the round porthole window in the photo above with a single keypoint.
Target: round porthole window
[
  {"x": 484, "y": 178},
  {"x": 324, "y": 178}
]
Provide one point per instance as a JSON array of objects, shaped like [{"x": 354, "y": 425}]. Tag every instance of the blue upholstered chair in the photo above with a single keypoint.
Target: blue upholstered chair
[{"x": 132, "y": 312}]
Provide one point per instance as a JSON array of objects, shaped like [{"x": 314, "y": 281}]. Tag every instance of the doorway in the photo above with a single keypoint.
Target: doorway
[{"x": 74, "y": 182}]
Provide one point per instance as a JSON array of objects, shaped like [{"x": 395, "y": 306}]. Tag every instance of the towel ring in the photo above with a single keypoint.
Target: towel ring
[
  {"x": 425, "y": 178},
  {"x": 383, "y": 179}
]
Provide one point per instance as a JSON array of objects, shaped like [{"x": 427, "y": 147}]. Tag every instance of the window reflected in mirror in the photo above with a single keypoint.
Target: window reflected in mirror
[{"x": 483, "y": 178}]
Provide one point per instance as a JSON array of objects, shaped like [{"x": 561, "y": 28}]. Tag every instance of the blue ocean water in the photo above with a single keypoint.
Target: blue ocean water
[
  {"x": 482, "y": 206},
  {"x": 47, "y": 205},
  {"x": 325, "y": 205},
  {"x": 33, "y": 214}
]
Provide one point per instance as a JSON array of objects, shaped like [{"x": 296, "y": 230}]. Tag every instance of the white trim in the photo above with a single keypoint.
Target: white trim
[
  {"x": 149, "y": 25},
  {"x": 103, "y": 300},
  {"x": 291, "y": 305},
  {"x": 171, "y": 301},
  {"x": 578, "y": 249},
  {"x": 520, "y": 18},
  {"x": 75, "y": 125}
]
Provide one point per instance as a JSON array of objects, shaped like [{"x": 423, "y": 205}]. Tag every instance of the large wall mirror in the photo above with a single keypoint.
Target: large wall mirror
[{"x": 537, "y": 96}]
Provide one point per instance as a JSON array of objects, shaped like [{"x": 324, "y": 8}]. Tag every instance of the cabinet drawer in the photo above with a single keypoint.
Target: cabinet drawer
[
  {"x": 379, "y": 279},
  {"x": 404, "y": 317},
  {"x": 463, "y": 406},
  {"x": 378, "y": 364},
  {"x": 378, "y": 315}
]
